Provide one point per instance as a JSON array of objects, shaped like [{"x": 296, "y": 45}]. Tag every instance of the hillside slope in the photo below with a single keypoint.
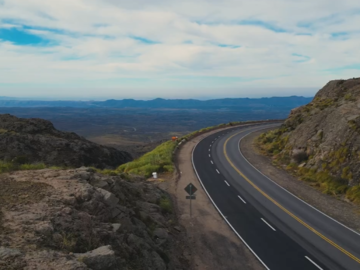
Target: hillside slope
[
  {"x": 78, "y": 219},
  {"x": 36, "y": 140},
  {"x": 321, "y": 140}
]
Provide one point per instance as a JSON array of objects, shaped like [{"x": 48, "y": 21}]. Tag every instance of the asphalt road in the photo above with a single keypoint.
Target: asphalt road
[{"x": 281, "y": 230}]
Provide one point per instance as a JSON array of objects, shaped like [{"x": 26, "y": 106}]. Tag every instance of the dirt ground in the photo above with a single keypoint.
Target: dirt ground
[
  {"x": 345, "y": 212},
  {"x": 212, "y": 244}
]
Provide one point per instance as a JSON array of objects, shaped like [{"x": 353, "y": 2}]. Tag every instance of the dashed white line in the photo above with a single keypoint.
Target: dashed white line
[
  {"x": 268, "y": 224},
  {"x": 209, "y": 155},
  {"x": 241, "y": 199},
  {"x": 210, "y": 145},
  {"x": 209, "y": 150},
  {"x": 211, "y": 162},
  {"x": 217, "y": 171},
  {"x": 313, "y": 262},
  {"x": 226, "y": 183}
]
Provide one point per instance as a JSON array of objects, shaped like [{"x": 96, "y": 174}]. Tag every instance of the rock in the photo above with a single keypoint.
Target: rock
[
  {"x": 101, "y": 184},
  {"x": 83, "y": 175},
  {"x": 6, "y": 253},
  {"x": 45, "y": 229},
  {"x": 302, "y": 165},
  {"x": 102, "y": 258},
  {"x": 109, "y": 198},
  {"x": 116, "y": 226},
  {"x": 161, "y": 233}
]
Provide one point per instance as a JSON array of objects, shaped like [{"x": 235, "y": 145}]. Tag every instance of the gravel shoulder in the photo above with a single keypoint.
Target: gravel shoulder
[
  {"x": 345, "y": 212},
  {"x": 212, "y": 244}
]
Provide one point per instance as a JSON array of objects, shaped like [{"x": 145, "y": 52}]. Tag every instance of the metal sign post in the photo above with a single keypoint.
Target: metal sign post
[{"x": 190, "y": 189}]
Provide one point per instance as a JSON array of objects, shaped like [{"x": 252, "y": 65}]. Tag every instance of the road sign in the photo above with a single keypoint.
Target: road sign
[{"x": 190, "y": 189}]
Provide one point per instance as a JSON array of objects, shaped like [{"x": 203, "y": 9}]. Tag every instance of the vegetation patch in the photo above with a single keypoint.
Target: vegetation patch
[
  {"x": 16, "y": 166},
  {"x": 165, "y": 205},
  {"x": 322, "y": 103},
  {"x": 349, "y": 97},
  {"x": 158, "y": 160}
]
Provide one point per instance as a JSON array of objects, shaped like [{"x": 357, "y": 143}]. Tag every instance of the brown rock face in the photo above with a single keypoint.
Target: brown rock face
[
  {"x": 36, "y": 140},
  {"x": 328, "y": 130}
]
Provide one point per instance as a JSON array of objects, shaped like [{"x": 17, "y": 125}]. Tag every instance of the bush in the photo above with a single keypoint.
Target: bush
[
  {"x": 27, "y": 167},
  {"x": 11, "y": 166},
  {"x": 300, "y": 157},
  {"x": 165, "y": 205},
  {"x": 349, "y": 97},
  {"x": 353, "y": 194}
]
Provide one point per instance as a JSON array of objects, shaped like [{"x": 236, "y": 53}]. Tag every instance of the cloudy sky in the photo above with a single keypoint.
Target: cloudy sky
[{"x": 176, "y": 49}]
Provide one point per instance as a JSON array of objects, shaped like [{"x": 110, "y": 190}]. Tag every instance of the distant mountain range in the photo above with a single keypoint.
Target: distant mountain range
[{"x": 227, "y": 103}]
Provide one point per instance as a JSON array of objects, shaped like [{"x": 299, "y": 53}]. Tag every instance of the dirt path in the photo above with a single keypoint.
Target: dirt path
[
  {"x": 346, "y": 213},
  {"x": 213, "y": 245}
]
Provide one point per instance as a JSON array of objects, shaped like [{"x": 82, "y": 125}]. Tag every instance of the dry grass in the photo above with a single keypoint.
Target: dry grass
[{"x": 21, "y": 192}]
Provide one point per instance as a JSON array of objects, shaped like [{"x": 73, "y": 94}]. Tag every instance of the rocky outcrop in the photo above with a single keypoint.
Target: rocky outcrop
[
  {"x": 324, "y": 137},
  {"x": 79, "y": 219},
  {"x": 36, "y": 140}
]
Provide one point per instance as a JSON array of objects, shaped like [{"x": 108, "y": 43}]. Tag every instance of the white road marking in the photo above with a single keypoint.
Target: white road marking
[
  {"x": 217, "y": 208},
  {"x": 241, "y": 199},
  {"x": 212, "y": 141},
  {"x": 313, "y": 262},
  {"x": 210, "y": 145},
  {"x": 217, "y": 171},
  {"x": 268, "y": 224},
  {"x": 209, "y": 150},
  {"x": 209, "y": 155},
  {"x": 227, "y": 183},
  {"x": 211, "y": 162}
]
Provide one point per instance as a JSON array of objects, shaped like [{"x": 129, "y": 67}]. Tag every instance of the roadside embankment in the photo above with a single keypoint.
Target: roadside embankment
[{"x": 345, "y": 212}]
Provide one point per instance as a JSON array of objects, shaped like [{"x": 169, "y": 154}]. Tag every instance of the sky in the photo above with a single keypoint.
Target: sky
[{"x": 98, "y": 49}]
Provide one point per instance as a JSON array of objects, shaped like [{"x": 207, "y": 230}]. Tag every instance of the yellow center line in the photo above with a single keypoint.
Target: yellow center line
[{"x": 284, "y": 209}]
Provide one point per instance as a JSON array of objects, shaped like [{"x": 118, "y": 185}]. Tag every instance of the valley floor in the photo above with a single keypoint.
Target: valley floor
[{"x": 345, "y": 212}]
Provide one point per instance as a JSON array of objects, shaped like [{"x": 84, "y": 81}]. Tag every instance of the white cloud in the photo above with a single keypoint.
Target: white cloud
[{"x": 162, "y": 45}]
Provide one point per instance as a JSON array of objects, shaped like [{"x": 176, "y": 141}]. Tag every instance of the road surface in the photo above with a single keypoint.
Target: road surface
[{"x": 282, "y": 231}]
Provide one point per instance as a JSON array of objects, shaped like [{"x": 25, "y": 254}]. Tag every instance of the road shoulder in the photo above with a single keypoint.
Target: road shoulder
[{"x": 344, "y": 212}]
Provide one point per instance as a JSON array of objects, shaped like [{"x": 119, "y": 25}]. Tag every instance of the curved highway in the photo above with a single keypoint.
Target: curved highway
[{"x": 282, "y": 231}]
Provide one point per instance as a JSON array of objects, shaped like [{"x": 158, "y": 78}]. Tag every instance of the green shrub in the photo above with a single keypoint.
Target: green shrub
[
  {"x": 37, "y": 166},
  {"x": 353, "y": 194},
  {"x": 169, "y": 168},
  {"x": 6, "y": 167},
  {"x": 165, "y": 205},
  {"x": 11, "y": 166},
  {"x": 349, "y": 97}
]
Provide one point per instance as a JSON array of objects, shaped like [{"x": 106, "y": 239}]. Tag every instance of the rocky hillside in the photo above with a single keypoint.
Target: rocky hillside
[
  {"x": 78, "y": 219},
  {"x": 321, "y": 140},
  {"x": 36, "y": 140}
]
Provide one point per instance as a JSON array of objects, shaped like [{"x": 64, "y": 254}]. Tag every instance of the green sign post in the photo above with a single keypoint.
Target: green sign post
[{"x": 190, "y": 189}]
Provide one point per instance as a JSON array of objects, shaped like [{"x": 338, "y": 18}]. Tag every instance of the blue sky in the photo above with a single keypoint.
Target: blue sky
[{"x": 97, "y": 49}]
